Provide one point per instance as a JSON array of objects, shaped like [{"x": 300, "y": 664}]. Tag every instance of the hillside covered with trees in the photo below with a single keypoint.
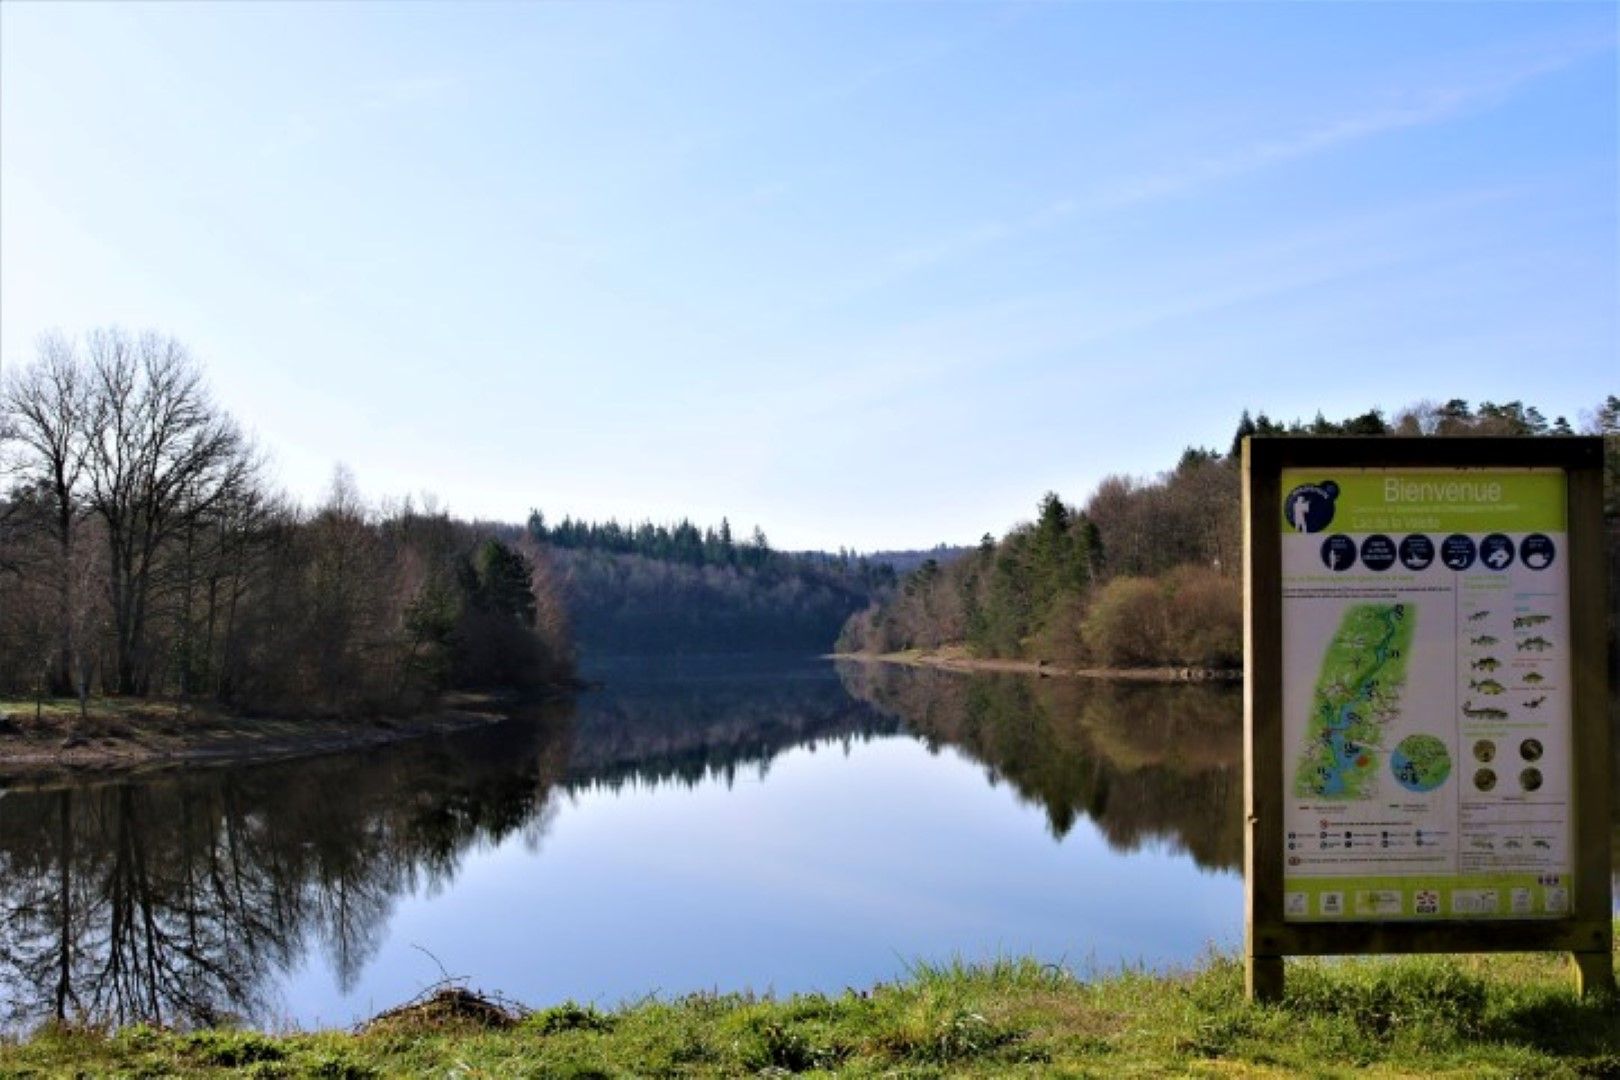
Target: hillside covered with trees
[
  {"x": 680, "y": 589},
  {"x": 143, "y": 554},
  {"x": 1149, "y": 572}
]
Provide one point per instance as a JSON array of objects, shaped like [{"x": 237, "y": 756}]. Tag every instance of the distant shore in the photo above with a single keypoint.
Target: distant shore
[
  {"x": 124, "y": 736},
  {"x": 956, "y": 658}
]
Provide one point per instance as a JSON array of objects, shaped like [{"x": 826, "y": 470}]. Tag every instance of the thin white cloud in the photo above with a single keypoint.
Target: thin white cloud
[
  {"x": 1422, "y": 109},
  {"x": 1416, "y": 109}
]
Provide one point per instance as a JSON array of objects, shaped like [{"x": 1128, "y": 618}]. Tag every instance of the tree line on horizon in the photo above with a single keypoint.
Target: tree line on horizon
[
  {"x": 1148, "y": 572},
  {"x": 640, "y": 589},
  {"x": 143, "y": 554}
]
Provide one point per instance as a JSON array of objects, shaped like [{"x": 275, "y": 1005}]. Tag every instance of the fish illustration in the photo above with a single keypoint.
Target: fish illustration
[
  {"x": 1535, "y": 644},
  {"x": 1482, "y": 713},
  {"x": 1486, "y": 686},
  {"x": 1486, "y": 663},
  {"x": 1534, "y": 677},
  {"x": 1530, "y": 620},
  {"x": 1535, "y": 703},
  {"x": 1483, "y": 639},
  {"x": 1478, "y": 615}
]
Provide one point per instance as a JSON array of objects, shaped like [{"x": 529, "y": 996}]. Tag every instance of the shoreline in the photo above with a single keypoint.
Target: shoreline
[
  {"x": 956, "y": 659},
  {"x": 145, "y": 736}
]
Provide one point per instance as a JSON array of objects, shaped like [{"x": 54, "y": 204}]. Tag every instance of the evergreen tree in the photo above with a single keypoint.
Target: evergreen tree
[
  {"x": 500, "y": 582},
  {"x": 1245, "y": 428}
]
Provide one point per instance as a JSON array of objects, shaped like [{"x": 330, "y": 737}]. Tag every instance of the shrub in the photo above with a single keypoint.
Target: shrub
[
  {"x": 1126, "y": 624},
  {"x": 1204, "y": 617}
]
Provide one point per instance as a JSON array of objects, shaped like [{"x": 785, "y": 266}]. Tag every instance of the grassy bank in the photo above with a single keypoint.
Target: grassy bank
[{"x": 1469, "y": 1016}]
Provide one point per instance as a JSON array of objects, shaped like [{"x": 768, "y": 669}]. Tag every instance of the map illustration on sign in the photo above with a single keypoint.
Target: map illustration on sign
[{"x": 1357, "y": 695}]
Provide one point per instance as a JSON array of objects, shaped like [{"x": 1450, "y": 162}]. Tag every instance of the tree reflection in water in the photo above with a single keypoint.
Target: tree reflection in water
[
  {"x": 178, "y": 898},
  {"x": 1145, "y": 762},
  {"x": 186, "y": 898},
  {"x": 171, "y": 899}
]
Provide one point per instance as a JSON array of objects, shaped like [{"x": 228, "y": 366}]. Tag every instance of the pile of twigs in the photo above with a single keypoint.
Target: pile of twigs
[{"x": 447, "y": 1004}]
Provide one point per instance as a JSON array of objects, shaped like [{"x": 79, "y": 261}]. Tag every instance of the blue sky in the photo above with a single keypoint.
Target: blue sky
[{"x": 874, "y": 275}]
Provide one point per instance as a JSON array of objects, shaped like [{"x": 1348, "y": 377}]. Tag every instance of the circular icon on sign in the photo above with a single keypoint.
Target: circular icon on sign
[
  {"x": 1484, "y": 779},
  {"x": 1530, "y": 779},
  {"x": 1417, "y": 551},
  {"x": 1338, "y": 552},
  {"x": 1309, "y": 507},
  {"x": 1537, "y": 551},
  {"x": 1378, "y": 552},
  {"x": 1457, "y": 552},
  {"x": 1530, "y": 749},
  {"x": 1496, "y": 551},
  {"x": 1484, "y": 751}
]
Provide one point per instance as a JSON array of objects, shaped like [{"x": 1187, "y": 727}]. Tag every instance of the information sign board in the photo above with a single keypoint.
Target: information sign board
[
  {"x": 1425, "y": 697},
  {"x": 1426, "y": 706}
]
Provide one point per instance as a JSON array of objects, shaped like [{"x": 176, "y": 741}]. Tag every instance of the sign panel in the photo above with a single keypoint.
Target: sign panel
[
  {"x": 1426, "y": 697},
  {"x": 1426, "y": 758}
]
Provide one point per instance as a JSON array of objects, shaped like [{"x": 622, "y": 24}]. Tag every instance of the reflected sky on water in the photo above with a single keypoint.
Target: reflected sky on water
[{"x": 720, "y": 824}]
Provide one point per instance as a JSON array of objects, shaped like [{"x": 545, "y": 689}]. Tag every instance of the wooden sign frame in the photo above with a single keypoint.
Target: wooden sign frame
[{"x": 1587, "y": 933}]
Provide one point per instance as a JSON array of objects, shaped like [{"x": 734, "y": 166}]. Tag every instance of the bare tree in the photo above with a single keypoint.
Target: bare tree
[
  {"x": 9, "y": 509},
  {"x": 161, "y": 455},
  {"x": 47, "y": 409}
]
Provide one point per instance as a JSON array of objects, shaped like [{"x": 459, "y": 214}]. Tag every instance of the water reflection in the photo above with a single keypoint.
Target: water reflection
[
  {"x": 178, "y": 898},
  {"x": 1146, "y": 763},
  {"x": 189, "y": 898},
  {"x": 685, "y": 720},
  {"x": 172, "y": 899}
]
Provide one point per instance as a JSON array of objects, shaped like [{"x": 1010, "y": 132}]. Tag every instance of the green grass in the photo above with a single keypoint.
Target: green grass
[{"x": 1468, "y": 1016}]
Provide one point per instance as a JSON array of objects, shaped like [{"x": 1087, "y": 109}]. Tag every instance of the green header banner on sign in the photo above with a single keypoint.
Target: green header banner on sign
[{"x": 1423, "y": 500}]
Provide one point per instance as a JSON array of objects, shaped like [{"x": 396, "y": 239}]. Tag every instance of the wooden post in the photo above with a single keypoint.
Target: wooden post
[
  {"x": 1594, "y": 973},
  {"x": 1262, "y": 720},
  {"x": 1263, "y": 978},
  {"x": 1594, "y": 787}
]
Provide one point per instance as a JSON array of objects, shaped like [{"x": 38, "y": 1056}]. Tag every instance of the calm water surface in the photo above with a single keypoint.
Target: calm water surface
[{"x": 768, "y": 825}]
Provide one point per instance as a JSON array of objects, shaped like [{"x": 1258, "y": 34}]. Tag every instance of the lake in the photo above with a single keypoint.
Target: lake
[{"x": 726, "y": 824}]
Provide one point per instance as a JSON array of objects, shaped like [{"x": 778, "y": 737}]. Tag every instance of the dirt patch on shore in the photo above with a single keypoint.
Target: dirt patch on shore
[{"x": 136, "y": 736}]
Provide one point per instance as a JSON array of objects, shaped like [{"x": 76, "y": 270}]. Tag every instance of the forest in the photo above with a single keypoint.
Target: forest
[
  {"x": 1148, "y": 573},
  {"x": 144, "y": 554},
  {"x": 680, "y": 589}
]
